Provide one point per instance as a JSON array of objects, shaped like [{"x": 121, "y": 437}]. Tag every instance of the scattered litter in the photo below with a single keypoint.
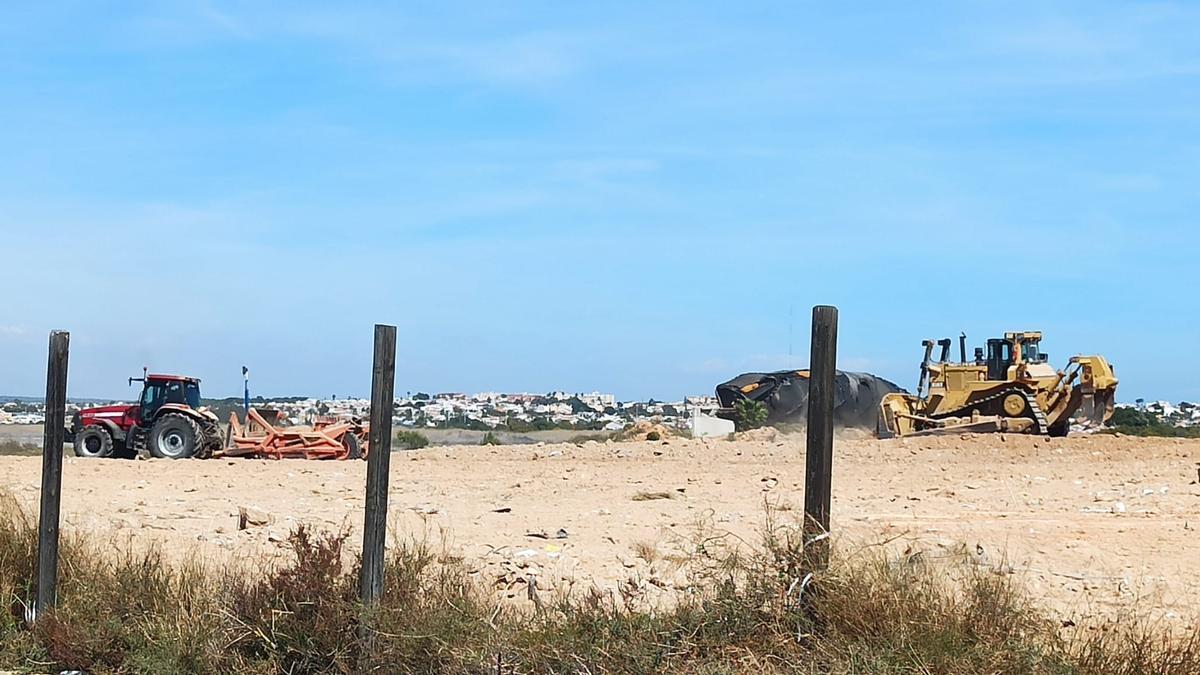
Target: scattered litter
[
  {"x": 527, "y": 553},
  {"x": 1118, "y": 507},
  {"x": 502, "y": 509}
]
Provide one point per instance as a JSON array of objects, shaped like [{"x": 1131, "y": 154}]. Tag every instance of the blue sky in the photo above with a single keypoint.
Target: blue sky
[{"x": 628, "y": 197}]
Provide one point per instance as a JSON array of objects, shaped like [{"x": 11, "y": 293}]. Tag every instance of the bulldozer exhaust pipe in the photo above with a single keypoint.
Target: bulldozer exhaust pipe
[{"x": 928, "y": 345}]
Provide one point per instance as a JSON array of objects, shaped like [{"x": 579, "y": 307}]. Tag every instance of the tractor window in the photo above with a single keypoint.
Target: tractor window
[
  {"x": 175, "y": 393},
  {"x": 153, "y": 396},
  {"x": 192, "y": 390}
]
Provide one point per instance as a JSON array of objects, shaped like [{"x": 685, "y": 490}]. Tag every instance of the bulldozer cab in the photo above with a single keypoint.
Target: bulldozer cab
[
  {"x": 1011, "y": 350},
  {"x": 999, "y": 358}
]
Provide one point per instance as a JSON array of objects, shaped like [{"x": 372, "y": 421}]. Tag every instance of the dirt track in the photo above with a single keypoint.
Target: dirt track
[{"x": 1092, "y": 524}]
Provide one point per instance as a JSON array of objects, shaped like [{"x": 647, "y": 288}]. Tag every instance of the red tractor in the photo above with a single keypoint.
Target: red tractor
[{"x": 167, "y": 422}]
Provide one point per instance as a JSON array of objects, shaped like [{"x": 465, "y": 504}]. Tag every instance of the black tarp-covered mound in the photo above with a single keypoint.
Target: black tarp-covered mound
[{"x": 785, "y": 393}]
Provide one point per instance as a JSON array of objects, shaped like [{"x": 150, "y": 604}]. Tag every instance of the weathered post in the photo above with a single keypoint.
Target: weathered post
[
  {"x": 819, "y": 458},
  {"x": 383, "y": 378},
  {"x": 52, "y": 458}
]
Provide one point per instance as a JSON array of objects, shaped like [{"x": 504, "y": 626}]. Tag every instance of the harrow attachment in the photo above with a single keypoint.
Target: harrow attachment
[{"x": 328, "y": 439}]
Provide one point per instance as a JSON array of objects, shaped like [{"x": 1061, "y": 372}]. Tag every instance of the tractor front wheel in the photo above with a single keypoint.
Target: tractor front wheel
[
  {"x": 93, "y": 441},
  {"x": 174, "y": 436}
]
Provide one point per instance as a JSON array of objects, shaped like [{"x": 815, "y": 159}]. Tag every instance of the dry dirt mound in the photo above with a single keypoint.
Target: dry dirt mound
[
  {"x": 762, "y": 435},
  {"x": 644, "y": 431}
]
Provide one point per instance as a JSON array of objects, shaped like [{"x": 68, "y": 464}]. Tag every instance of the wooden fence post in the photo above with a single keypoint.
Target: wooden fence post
[
  {"x": 379, "y": 451},
  {"x": 819, "y": 458},
  {"x": 52, "y": 458}
]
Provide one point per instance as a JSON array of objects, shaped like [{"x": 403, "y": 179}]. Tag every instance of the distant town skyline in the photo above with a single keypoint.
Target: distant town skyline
[{"x": 643, "y": 199}]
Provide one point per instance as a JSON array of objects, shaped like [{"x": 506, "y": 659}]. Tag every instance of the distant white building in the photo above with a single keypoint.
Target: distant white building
[{"x": 598, "y": 400}]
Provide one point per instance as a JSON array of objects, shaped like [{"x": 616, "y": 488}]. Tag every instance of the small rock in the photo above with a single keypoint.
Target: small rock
[
  {"x": 249, "y": 516},
  {"x": 1118, "y": 507}
]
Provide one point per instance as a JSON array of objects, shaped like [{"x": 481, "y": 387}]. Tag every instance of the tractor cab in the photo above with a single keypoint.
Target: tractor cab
[
  {"x": 1013, "y": 349},
  {"x": 159, "y": 390}
]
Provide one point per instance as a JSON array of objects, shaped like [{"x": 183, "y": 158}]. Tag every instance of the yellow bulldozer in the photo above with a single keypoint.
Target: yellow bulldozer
[{"x": 1012, "y": 388}]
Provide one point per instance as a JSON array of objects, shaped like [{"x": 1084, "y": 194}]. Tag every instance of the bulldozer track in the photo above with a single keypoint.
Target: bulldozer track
[{"x": 1035, "y": 410}]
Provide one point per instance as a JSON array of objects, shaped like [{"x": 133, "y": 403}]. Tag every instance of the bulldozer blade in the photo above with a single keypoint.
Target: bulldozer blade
[{"x": 1097, "y": 407}]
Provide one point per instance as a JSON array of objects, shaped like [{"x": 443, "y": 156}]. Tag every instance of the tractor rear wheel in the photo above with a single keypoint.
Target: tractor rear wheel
[
  {"x": 93, "y": 441},
  {"x": 174, "y": 436}
]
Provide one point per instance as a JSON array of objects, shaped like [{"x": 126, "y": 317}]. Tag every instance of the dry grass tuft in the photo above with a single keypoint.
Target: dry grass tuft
[
  {"x": 646, "y": 550},
  {"x": 131, "y": 612},
  {"x": 651, "y": 496},
  {"x": 11, "y": 447}
]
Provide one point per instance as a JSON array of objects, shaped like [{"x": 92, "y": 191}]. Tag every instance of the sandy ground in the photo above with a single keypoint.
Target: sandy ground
[{"x": 1092, "y": 525}]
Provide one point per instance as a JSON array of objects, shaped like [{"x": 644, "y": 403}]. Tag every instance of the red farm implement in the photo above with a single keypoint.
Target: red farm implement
[{"x": 328, "y": 439}]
